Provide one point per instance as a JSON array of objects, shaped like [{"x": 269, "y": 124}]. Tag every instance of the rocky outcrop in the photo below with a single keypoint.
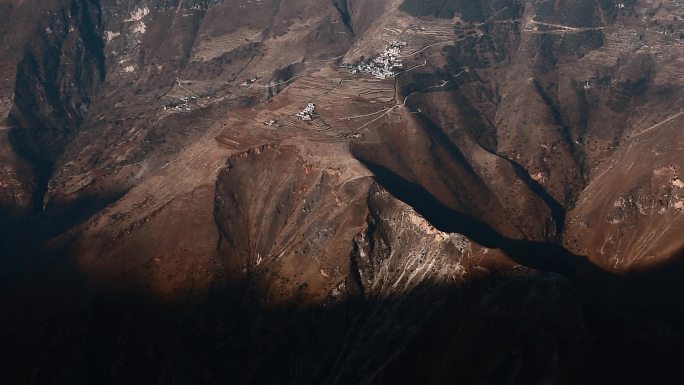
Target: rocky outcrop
[{"x": 289, "y": 233}]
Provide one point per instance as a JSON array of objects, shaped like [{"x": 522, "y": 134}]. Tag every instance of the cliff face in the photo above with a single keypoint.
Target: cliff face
[{"x": 506, "y": 208}]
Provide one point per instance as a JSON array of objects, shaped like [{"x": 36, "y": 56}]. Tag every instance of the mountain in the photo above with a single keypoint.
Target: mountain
[{"x": 341, "y": 192}]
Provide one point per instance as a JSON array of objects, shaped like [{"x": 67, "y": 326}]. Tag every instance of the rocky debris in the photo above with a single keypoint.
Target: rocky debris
[
  {"x": 386, "y": 65},
  {"x": 308, "y": 113}
]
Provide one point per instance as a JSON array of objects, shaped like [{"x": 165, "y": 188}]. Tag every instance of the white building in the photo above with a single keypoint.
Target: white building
[{"x": 308, "y": 113}]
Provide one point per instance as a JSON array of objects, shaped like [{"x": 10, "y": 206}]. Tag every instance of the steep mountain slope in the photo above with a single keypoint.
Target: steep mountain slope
[{"x": 506, "y": 208}]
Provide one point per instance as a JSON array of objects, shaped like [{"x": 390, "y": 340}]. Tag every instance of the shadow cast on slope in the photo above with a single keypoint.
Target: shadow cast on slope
[
  {"x": 498, "y": 328},
  {"x": 536, "y": 255},
  {"x": 654, "y": 291},
  {"x": 557, "y": 210}
]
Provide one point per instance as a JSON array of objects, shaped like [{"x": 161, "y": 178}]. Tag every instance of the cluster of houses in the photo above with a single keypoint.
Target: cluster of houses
[
  {"x": 308, "y": 113},
  {"x": 182, "y": 104},
  {"x": 248, "y": 82},
  {"x": 386, "y": 65}
]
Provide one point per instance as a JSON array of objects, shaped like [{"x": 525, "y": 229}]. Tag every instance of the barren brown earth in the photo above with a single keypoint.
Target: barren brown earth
[{"x": 507, "y": 208}]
